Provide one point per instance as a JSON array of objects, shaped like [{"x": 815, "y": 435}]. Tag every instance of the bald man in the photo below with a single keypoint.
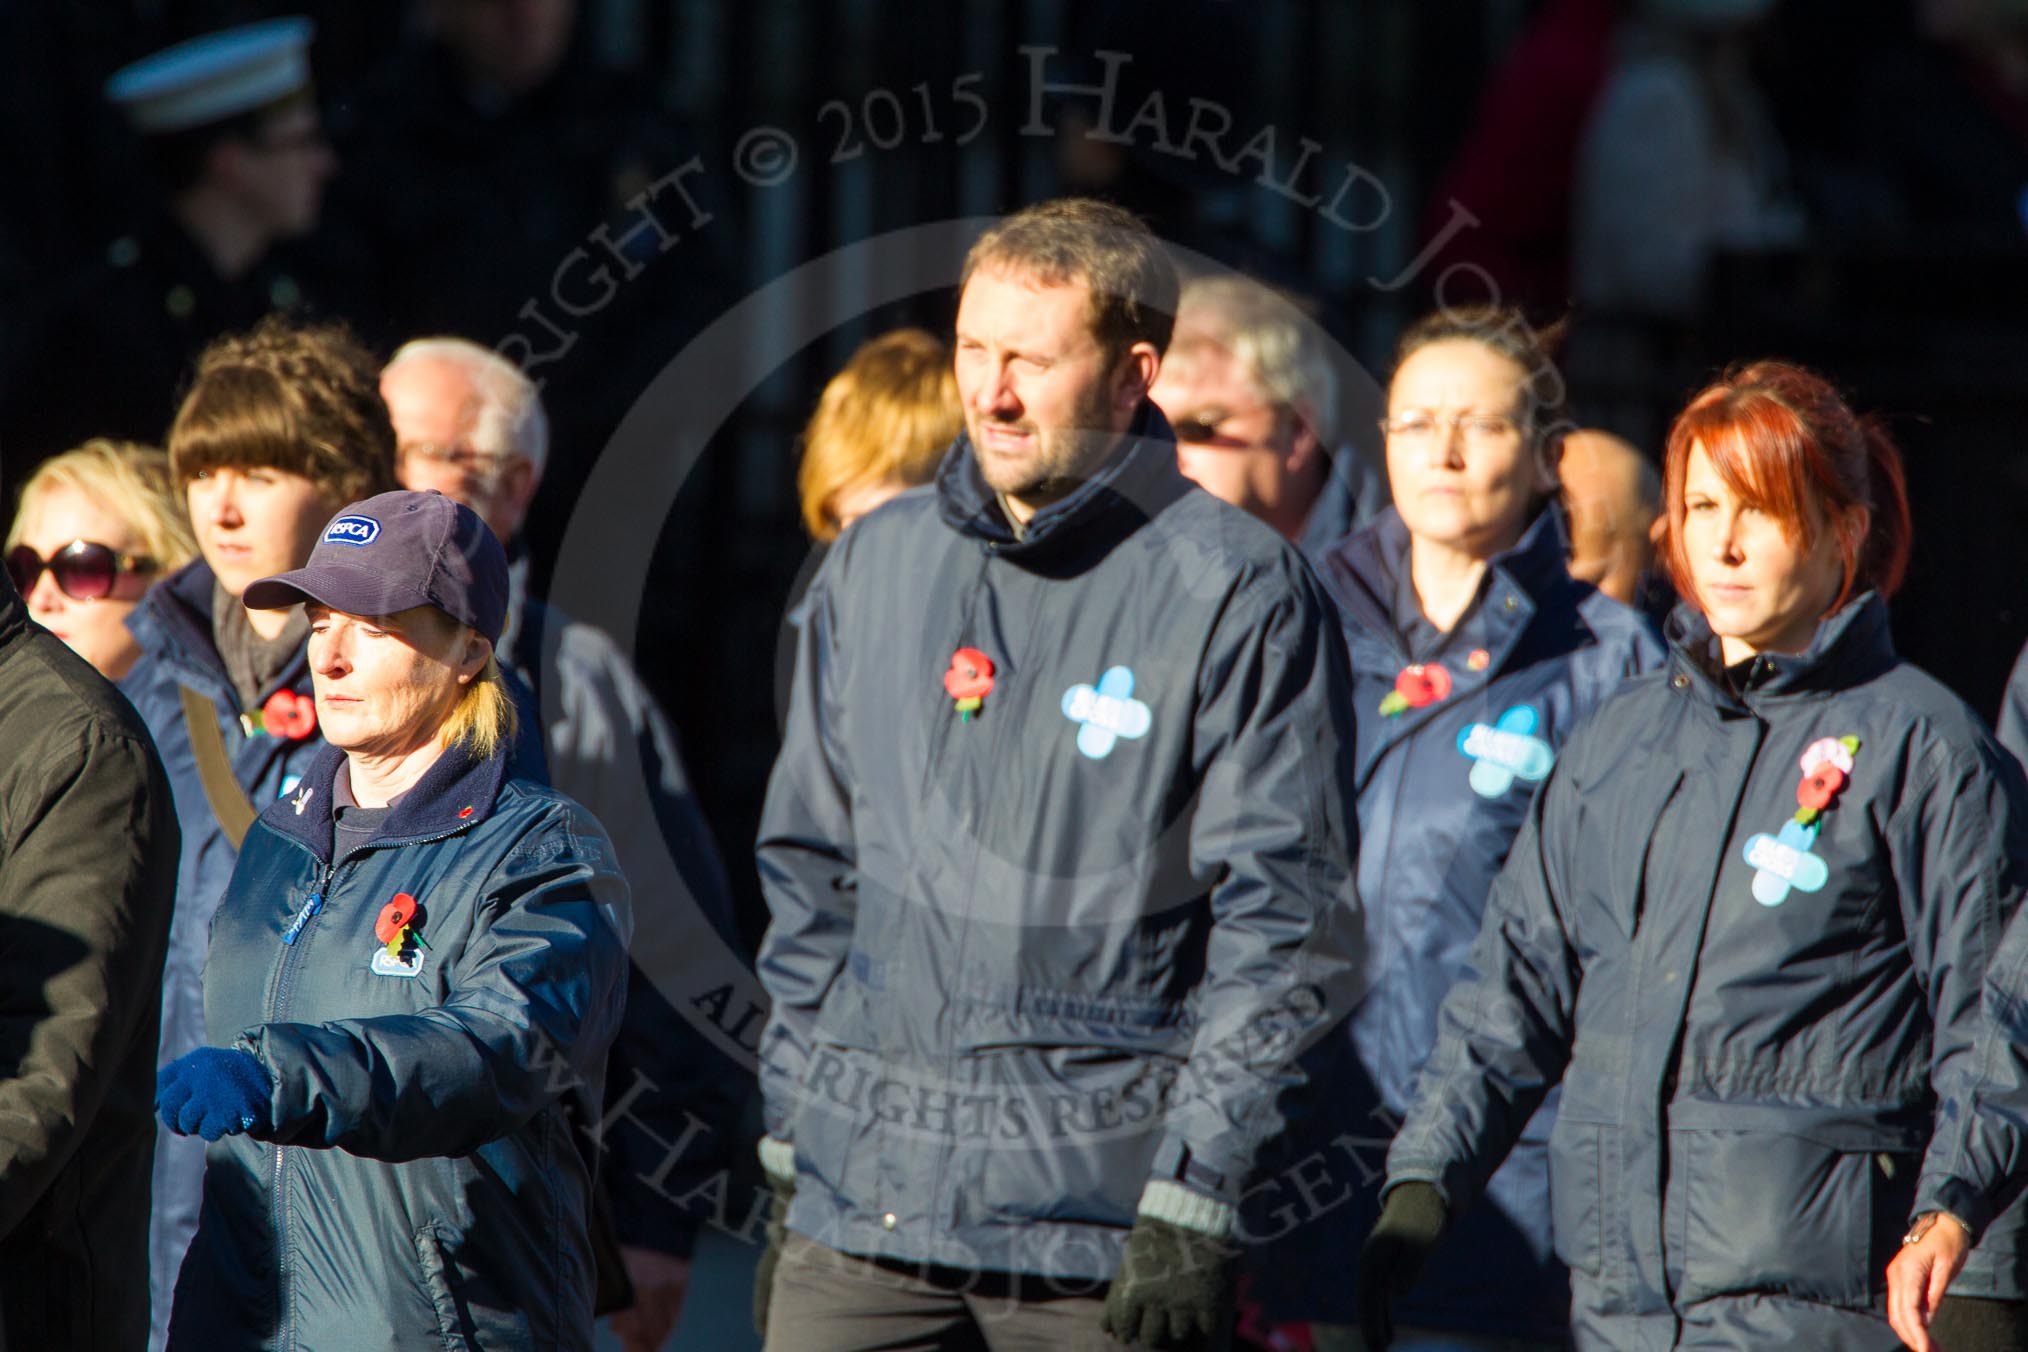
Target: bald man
[{"x": 1614, "y": 500}]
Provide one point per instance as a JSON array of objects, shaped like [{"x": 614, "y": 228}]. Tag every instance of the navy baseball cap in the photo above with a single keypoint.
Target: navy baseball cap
[{"x": 396, "y": 551}]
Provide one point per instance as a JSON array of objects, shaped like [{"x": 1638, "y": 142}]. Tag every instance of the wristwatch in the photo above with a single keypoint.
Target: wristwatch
[{"x": 1927, "y": 1222}]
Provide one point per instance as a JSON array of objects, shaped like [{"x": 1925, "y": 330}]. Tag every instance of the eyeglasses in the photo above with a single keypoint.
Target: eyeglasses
[
  {"x": 463, "y": 459},
  {"x": 1478, "y": 429},
  {"x": 84, "y": 569}
]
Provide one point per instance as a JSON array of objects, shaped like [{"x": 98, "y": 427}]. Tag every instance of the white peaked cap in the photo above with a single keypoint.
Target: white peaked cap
[{"x": 214, "y": 77}]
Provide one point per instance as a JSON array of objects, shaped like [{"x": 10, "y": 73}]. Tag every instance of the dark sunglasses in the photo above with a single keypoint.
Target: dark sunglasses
[{"x": 84, "y": 569}]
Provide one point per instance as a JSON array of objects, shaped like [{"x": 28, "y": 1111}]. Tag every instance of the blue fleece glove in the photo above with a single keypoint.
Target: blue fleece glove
[{"x": 213, "y": 1092}]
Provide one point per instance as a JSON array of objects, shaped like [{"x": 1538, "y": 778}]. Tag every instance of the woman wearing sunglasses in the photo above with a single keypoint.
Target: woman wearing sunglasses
[{"x": 96, "y": 526}]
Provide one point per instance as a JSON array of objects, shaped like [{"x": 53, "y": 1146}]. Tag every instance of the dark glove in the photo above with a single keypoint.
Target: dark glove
[
  {"x": 784, "y": 1186},
  {"x": 1409, "y": 1227},
  {"x": 213, "y": 1092},
  {"x": 1174, "y": 1289}
]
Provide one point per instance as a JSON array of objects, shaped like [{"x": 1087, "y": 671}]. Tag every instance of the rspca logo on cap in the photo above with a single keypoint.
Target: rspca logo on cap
[{"x": 352, "y": 530}]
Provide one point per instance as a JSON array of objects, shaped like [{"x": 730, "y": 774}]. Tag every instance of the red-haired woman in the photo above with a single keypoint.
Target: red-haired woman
[{"x": 1746, "y": 926}]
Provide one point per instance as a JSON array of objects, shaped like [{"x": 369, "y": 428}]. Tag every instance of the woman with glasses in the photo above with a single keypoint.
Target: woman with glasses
[
  {"x": 282, "y": 426},
  {"x": 1744, "y": 932},
  {"x": 96, "y": 525},
  {"x": 1474, "y": 653}
]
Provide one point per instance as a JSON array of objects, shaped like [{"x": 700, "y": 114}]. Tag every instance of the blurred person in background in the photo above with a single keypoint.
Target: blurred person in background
[
  {"x": 1744, "y": 932},
  {"x": 1680, "y": 160},
  {"x": 1909, "y": 127},
  {"x": 2012, "y": 725},
  {"x": 468, "y": 423},
  {"x": 282, "y": 426},
  {"x": 1612, "y": 499},
  {"x": 88, "y": 846},
  {"x": 1503, "y": 204},
  {"x": 1475, "y": 653},
  {"x": 96, "y": 526},
  {"x": 415, "y": 976},
  {"x": 496, "y": 165},
  {"x": 1249, "y": 388},
  {"x": 230, "y": 127},
  {"x": 882, "y": 425}
]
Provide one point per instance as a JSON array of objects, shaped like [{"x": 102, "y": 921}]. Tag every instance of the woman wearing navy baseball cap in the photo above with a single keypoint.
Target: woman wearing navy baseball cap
[{"x": 414, "y": 979}]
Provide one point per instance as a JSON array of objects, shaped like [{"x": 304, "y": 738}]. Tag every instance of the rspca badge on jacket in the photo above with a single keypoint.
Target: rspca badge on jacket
[
  {"x": 352, "y": 530},
  {"x": 1106, "y": 712},
  {"x": 383, "y": 963},
  {"x": 1506, "y": 751}
]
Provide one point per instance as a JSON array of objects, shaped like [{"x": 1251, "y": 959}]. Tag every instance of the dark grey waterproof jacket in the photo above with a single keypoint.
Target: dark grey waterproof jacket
[
  {"x": 88, "y": 849},
  {"x": 1442, "y": 790},
  {"x": 425, "y": 1182},
  {"x": 1754, "y": 1020},
  {"x": 1029, "y": 958}
]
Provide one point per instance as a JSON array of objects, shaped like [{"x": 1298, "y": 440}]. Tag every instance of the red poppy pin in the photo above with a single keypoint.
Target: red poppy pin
[
  {"x": 400, "y": 920},
  {"x": 1420, "y": 684},
  {"x": 1827, "y": 768},
  {"x": 969, "y": 681},
  {"x": 288, "y": 714}
]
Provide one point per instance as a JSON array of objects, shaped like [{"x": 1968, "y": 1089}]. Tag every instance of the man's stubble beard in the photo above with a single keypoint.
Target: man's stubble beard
[{"x": 1065, "y": 457}]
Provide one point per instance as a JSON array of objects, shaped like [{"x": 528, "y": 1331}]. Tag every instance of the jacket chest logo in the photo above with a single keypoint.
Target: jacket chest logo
[
  {"x": 1106, "y": 712},
  {"x": 384, "y": 963},
  {"x": 1783, "y": 861},
  {"x": 1505, "y": 751}
]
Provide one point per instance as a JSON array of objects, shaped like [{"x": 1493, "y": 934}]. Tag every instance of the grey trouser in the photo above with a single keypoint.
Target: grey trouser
[{"x": 827, "y": 1301}]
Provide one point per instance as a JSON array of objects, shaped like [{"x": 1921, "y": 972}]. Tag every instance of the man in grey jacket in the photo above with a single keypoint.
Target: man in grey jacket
[
  {"x": 469, "y": 424},
  {"x": 1249, "y": 386},
  {"x": 1056, "y": 849}
]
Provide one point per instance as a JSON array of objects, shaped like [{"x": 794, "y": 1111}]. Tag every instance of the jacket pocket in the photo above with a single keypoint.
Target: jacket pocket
[
  {"x": 1587, "y": 1223},
  {"x": 436, "y": 1281},
  {"x": 1577, "y": 1191},
  {"x": 1772, "y": 1213},
  {"x": 1075, "y": 1131}
]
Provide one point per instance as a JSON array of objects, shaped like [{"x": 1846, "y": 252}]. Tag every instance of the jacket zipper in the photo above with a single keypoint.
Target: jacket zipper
[
  {"x": 285, "y": 982},
  {"x": 278, "y": 1005}
]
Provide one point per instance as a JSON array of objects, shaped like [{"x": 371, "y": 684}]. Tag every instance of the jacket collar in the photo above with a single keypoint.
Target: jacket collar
[
  {"x": 1852, "y": 645},
  {"x": 455, "y": 794},
  {"x": 1533, "y": 576},
  {"x": 1342, "y": 505},
  {"x": 1140, "y": 476},
  {"x": 173, "y": 624},
  {"x": 14, "y": 621}
]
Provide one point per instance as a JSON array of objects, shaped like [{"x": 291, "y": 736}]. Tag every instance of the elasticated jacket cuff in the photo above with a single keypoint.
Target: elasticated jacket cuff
[
  {"x": 1185, "y": 1207},
  {"x": 778, "y": 1160}
]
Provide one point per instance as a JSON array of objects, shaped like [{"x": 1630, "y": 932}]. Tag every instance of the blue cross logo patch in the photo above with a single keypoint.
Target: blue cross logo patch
[
  {"x": 1106, "y": 713},
  {"x": 1782, "y": 861},
  {"x": 1506, "y": 751}
]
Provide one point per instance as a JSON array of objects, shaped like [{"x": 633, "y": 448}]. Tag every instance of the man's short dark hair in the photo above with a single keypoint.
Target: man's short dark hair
[{"x": 1133, "y": 284}]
